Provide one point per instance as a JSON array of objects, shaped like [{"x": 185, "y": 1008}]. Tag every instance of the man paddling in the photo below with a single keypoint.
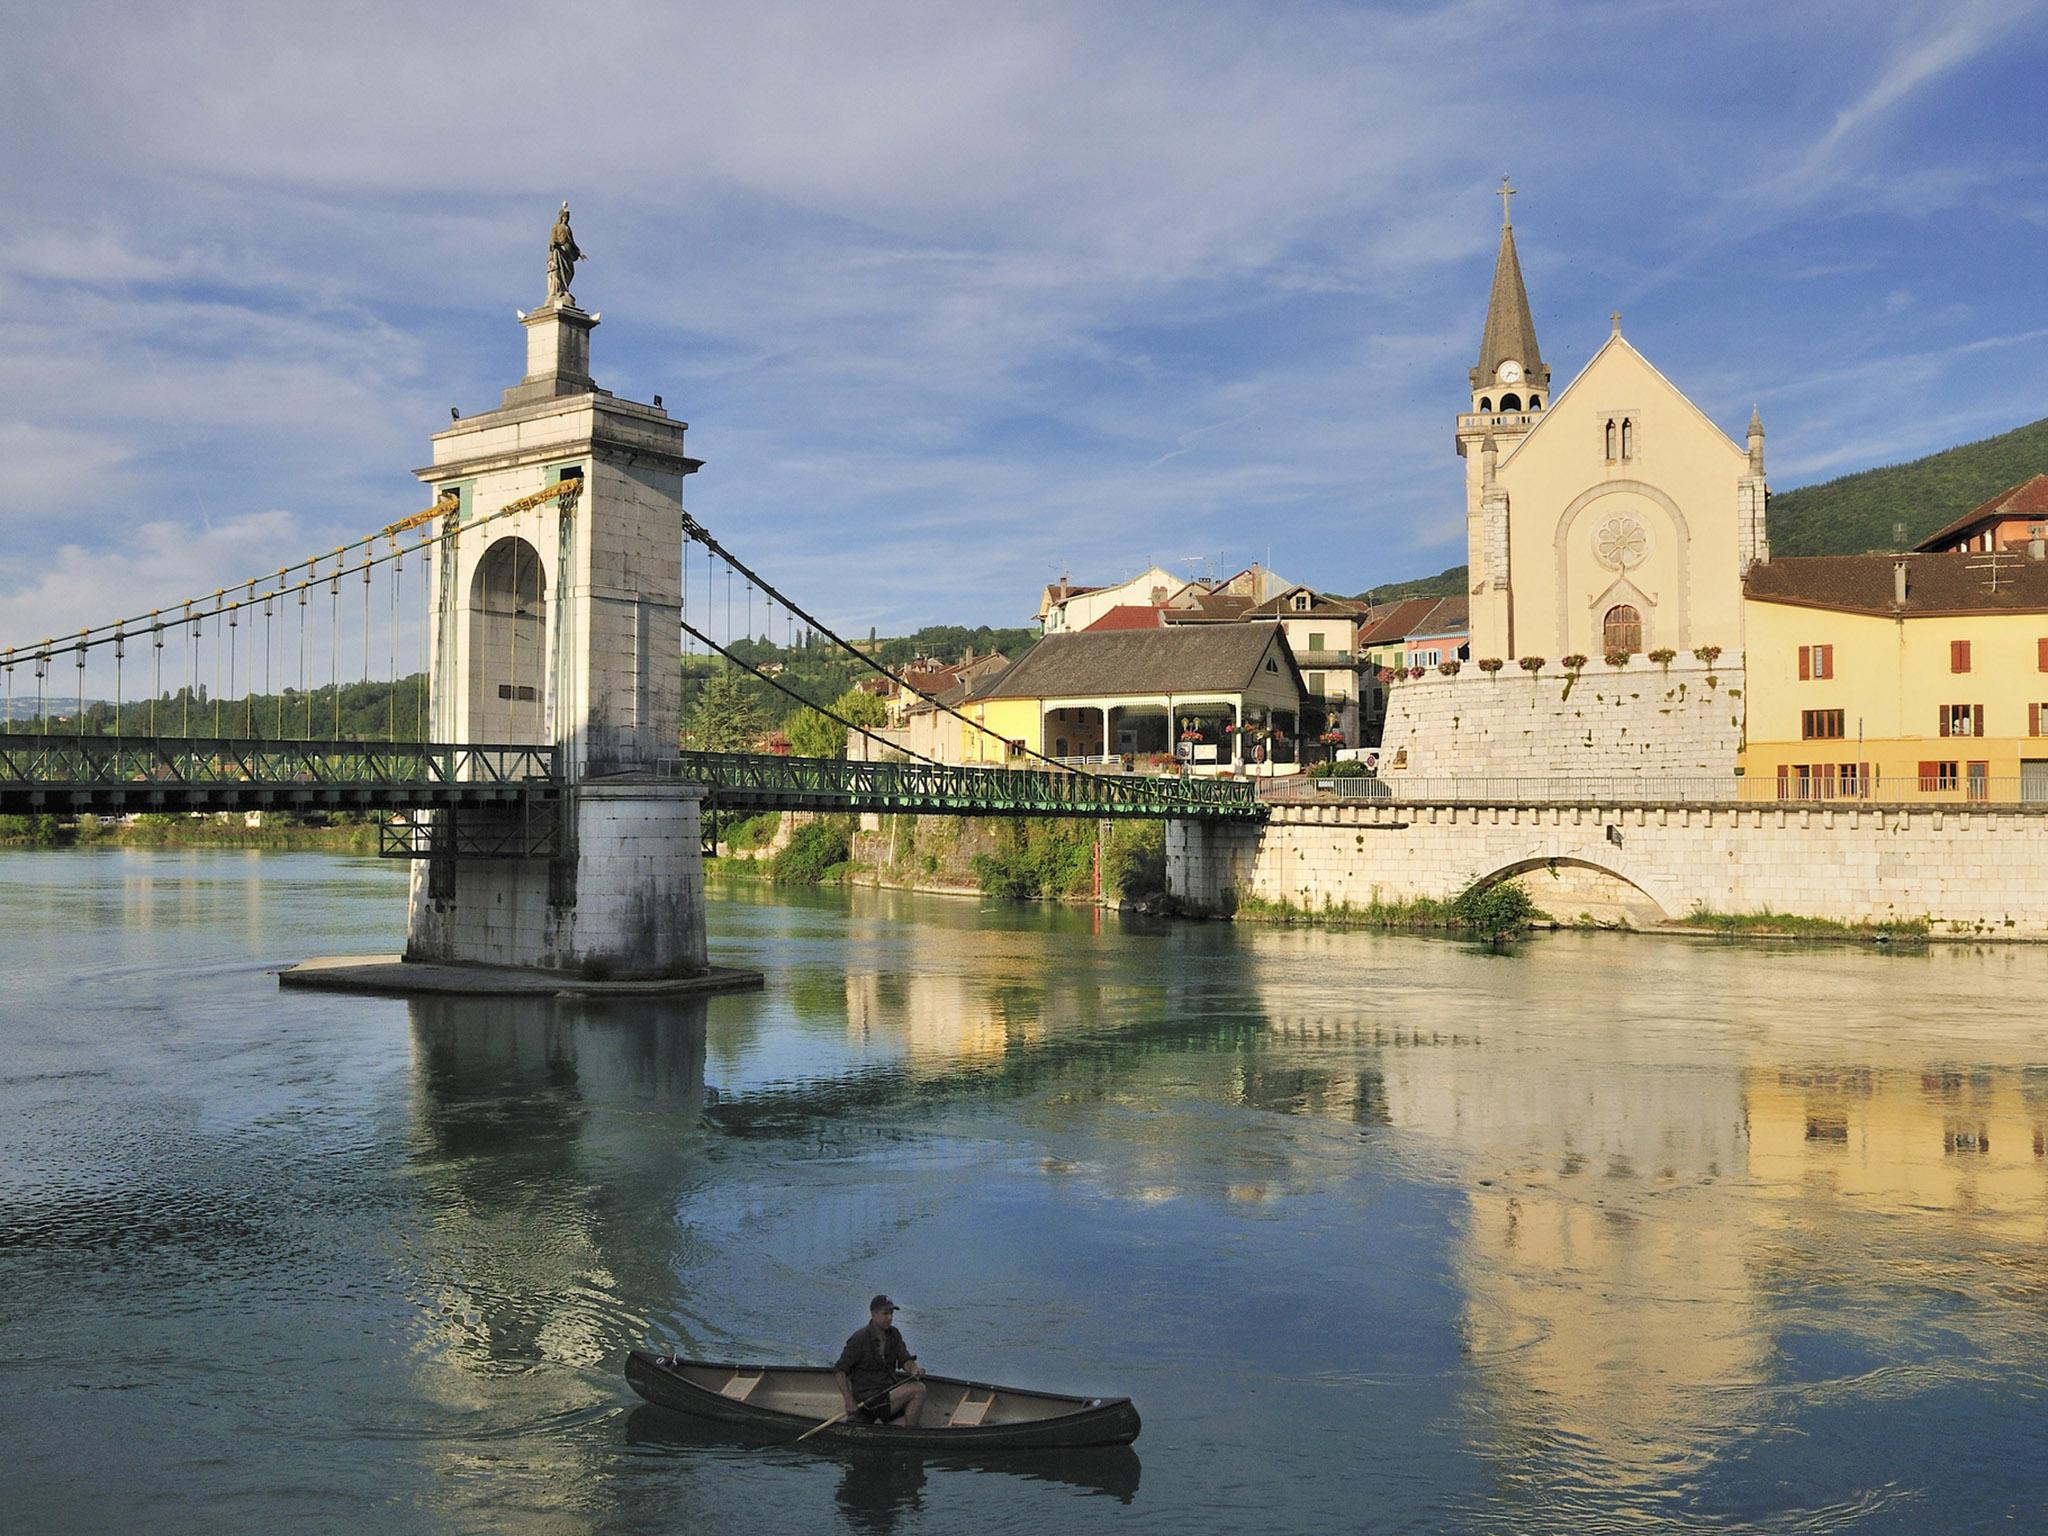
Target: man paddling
[{"x": 873, "y": 1359}]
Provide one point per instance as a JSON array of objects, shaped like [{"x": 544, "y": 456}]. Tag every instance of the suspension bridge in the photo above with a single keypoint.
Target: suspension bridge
[{"x": 512, "y": 714}]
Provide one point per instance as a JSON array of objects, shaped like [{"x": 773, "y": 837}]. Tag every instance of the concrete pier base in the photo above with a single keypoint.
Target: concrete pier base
[
  {"x": 623, "y": 901},
  {"x": 394, "y": 975}
]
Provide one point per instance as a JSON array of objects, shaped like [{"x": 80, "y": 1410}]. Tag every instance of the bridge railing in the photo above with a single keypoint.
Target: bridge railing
[
  {"x": 764, "y": 779},
  {"x": 1941, "y": 788},
  {"x": 78, "y": 761}
]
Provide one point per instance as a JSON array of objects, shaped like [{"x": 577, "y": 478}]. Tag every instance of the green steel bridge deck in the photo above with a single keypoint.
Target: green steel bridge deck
[
  {"x": 65, "y": 775},
  {"x": 746, "y": 781}
]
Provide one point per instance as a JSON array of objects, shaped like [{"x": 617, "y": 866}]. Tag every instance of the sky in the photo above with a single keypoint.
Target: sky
[{"x": 958, "y": 297}]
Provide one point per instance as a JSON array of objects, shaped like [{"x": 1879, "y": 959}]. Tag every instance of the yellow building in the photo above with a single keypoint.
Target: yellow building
[
  {"x": 1613, "y": 517},
  {"x": 1218, "y": 697},
  {"x": 1899, "y": 677}
]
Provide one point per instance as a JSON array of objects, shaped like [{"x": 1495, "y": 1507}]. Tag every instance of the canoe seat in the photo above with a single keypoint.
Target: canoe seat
[
  {"x": 741, "y": 1384},
  {"x": 973, "y": 1409}
]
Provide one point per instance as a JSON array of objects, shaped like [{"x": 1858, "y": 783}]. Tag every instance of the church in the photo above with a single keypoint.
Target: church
[{"x": 1611, "y": 523}]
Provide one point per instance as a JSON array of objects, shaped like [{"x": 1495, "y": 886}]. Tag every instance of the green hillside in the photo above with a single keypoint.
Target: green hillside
[
  {"x": 1444, "y": 584},
  {"x": 1856, "y": 513}
]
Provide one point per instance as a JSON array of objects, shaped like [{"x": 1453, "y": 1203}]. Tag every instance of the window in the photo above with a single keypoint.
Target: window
[
  {"x": 1959, "y": 655},
  {"x": 1962, "y": 719},
  {"x": 1622, "y": 629},
  {"x": 1820, "y": 724},
  {"x": 521, "y": 692},
  {"x": 1816, "y": 661},
  {"x": 1535, "y": 402},
  {"x": 1315, "y": 642},
  {"x": 1610, "y": 439},
  {"x": 1980, "y": 781},
  {"x": 1315, "y": 683},
  {"x": 1272, "y": 665},
  {"x": 1855, "y": 779},
  {"x": 2036, "y": 713},
  {"x": 1486, "y": 404},
  {"x": 1936, "y": 776},
  {"x": 1301, "y": 602},
  {"x": 1628, "y": 438},
  {"x": 1511, "y": 402}
]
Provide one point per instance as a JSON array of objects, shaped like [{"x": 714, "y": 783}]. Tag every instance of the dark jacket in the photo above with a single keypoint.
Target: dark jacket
[{"x": 871, "y": 1360}]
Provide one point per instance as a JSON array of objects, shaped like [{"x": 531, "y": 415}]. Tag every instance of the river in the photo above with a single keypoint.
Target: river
[{"x": 1382, "y": 1233}]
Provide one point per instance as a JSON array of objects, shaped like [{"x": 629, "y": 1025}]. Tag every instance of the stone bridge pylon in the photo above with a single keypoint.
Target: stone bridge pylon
[{"x": 558, "y": 627}]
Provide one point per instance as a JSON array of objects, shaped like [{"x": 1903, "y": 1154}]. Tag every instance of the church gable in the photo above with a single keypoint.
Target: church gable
[
  {"x": 1651, "y": 418},
  {"x": 1622, "y": 516}
]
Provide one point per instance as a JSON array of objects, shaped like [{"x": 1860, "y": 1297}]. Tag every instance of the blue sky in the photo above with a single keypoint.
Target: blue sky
[{"x": 955, "y": 295}]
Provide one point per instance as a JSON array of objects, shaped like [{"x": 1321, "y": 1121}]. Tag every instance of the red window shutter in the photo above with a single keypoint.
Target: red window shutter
[
  {"x": 2033, "y": 719},
  {"x": 1928, "y": 774},
  {"x": 1784, "y": 780},
  {"x": 2041, "y": 654},
  {"x": 1805, "y": 662},
  {"x": 1823, "y": 661},
  {"x": 1977, "y": 720},
  {"x": 1959, "y": 655},
  {"x": 1944, "y": 719}
]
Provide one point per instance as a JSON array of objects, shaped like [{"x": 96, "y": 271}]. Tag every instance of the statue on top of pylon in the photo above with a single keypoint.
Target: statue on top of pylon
[{"x": 563, "y": 254}]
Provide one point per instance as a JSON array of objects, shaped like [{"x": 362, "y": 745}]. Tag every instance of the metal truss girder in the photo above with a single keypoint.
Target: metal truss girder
[{"x": 761, "y": 781}]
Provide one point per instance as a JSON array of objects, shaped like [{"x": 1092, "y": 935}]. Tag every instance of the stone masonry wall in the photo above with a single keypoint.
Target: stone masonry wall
[
  {"x": 1962, "y": 870},
  {"x": 1642, "y": 719}
]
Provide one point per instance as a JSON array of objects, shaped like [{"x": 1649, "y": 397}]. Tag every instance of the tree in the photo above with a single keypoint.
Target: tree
[
  {"x": 726, "y": 717},
  {"x": 813, "y": 733}
]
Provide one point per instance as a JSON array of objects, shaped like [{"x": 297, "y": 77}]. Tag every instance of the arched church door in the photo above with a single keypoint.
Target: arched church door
[{"x": 1622, "y": 629}]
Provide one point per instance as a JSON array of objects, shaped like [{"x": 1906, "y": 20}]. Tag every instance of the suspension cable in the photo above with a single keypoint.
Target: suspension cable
[
  {"x": 695, "y": 530},
  {"x": 828, "y": 713}
]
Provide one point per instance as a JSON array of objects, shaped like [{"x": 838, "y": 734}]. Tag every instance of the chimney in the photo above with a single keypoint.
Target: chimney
[
  {"x": 2037, "y": 547},
  {"x": 1898, "y": 583}
]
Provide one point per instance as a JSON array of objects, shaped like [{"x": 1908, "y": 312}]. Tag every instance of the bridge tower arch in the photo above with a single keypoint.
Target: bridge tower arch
[
  {"x": 556, "y": 622},
  {"x": 507, "y": 674}
]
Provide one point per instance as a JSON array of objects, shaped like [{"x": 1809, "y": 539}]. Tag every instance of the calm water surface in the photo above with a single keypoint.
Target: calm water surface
[{"x": 1383, "y": 1234}]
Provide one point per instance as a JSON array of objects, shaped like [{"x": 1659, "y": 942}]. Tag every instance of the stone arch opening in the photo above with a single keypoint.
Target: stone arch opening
[
  {"x": 1511, "y": 402},
  {"x": 1486, "y": 402},
  {"x": 508, "y": 644},
  {"x": 1581, "y": 893}
]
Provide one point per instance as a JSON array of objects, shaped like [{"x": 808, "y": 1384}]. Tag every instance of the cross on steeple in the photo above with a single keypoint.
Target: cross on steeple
[{"x": 1504, "y": 194}]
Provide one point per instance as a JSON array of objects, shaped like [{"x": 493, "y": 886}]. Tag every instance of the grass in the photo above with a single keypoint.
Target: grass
[
  {"x": 1421, "y": 912},
  {"x": 1765, "y": 922},
  {"x": 159, "y": 831}
]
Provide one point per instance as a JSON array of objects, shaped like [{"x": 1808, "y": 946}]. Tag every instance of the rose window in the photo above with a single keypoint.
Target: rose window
[{"x": 1621, "y": 542}]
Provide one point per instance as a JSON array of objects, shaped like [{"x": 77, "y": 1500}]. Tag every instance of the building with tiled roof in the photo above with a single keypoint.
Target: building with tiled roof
[
  {"x": 2010, "y": 520},
  {"x": 1129, "y": 616},
  {"x": 1219, "y": 697},
  {"x": 1900, "y": 676}
]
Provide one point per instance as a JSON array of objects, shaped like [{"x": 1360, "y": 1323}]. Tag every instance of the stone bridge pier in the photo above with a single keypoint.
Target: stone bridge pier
[
  {"x": 1962, "y": 869},
  {"x": 557, "y": 626}
]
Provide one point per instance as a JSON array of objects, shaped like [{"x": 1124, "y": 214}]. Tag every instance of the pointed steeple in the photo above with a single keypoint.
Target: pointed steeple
[{"x": 1510, "y": 334}]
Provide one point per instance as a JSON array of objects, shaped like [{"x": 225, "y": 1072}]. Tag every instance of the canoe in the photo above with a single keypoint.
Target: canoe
[{"x": 966, "y": 1416}]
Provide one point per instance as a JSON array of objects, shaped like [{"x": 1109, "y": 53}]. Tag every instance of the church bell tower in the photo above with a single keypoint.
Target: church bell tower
[{"x": 1510, "y": 391}]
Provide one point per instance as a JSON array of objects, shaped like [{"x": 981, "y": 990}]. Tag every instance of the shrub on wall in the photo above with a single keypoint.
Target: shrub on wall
[
  {"x": 815, "y": 854},
  {"x": 1415, "y": 671},
  {"x": 1574, "y": 662},
  {"x": 1663, "y": 655},
  {"x": 1490, "y": 664},
  {"x": 1448, "y": 668},
  {"x": 1707, "y": 653},
  {"x": 1531, "y": 663},
  {"x": 1617, "y": 658}
]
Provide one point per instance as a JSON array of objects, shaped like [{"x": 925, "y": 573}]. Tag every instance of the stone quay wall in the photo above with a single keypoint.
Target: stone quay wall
[
  {"x": 1961, "y": 869},
  {"x": 1684, "y": 718}
]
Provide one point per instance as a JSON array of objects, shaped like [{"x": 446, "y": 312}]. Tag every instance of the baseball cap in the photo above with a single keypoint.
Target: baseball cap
[{"x": 882, "y": 1302}]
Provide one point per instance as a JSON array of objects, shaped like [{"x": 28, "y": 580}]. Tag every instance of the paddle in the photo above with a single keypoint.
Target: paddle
[{"x": 867, "y": 1402}]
